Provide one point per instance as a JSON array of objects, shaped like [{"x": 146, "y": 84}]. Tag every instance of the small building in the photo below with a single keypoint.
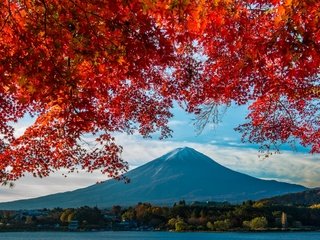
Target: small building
[{"x": 73, "y": 225}]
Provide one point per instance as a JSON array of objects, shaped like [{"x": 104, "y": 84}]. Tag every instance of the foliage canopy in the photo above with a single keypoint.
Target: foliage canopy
[{"x": 99, "y": 67}]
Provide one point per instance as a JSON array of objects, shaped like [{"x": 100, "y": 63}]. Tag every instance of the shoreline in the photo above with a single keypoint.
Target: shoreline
[{"x": 106, "y": 230}]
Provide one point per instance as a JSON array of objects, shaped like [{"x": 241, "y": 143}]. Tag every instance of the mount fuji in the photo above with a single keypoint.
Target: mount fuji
[{"x": 182, "y": 174}]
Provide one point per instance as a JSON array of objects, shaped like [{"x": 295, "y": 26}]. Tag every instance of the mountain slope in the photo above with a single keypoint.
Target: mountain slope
[
  {"x": 181, "y": 174},
  {"x": 305, "y": 198}
]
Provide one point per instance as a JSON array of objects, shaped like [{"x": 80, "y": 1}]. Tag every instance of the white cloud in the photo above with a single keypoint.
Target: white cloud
[{"x": 174, "y": 123}]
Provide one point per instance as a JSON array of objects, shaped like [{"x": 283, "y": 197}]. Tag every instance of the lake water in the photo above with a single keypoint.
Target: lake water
[{"x": 157, "y": 236}]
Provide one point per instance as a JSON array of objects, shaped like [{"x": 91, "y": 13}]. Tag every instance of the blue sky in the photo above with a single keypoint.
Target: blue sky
[
  {"x": 220, "y": 142},
  {"x": 221, "y": 134}
]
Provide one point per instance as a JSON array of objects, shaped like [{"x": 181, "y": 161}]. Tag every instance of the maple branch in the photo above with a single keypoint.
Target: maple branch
[
  {"x": 208, "y": 113},
  {"x": 5, "y": 22},
  {"x": 9, "y": 9},
  {"x": 288, "y": 113},
  {"x": 45, "y": 16}
]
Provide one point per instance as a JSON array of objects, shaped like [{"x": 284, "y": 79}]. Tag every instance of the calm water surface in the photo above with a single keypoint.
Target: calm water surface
[{"x": 158, "y": 236}]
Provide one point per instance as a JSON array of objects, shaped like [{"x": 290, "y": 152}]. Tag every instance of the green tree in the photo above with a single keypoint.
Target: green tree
[
  {"x": 258, "y": 223},
  {"x": 129, "y": 214},
  {"x": 172, "y": 223},
  {"x": 89, "y": 215},
  {"x": 222, "y": 225},
  {"x": 143, "y": 212},
  {"x": 210, "y": 226},
  {"x": 180, "y": 225},
  {"x": 116, "y": 210}
]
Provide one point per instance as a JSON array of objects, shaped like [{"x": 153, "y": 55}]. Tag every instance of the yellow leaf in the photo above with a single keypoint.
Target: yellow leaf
[
  {"x": 121, "y": 60},
  {"x": 288, "y": 3},
  {"x": 216, "y": 2}
]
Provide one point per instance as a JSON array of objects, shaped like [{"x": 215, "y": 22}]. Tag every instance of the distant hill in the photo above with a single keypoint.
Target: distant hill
[
  {"x": 305, "y": 198},
  {"x": 183, "y": 173}
]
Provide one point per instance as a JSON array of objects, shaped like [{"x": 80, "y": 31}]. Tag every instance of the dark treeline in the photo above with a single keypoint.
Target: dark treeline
[
  {"x": 180, "y": 217},
  {"x": 223, "y": 217}
]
